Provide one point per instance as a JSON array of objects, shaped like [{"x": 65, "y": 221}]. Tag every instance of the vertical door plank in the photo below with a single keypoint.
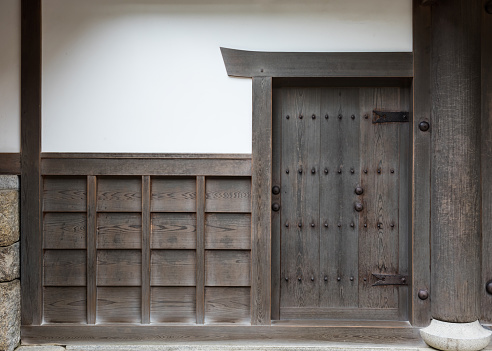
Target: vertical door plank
[
  {"x": 276, "y": 218},
  {"x": 300, "y": 155},
  {"x": 200, "y": 249},
  {"x": 91, "y": 249},
  {"x": 31, "y": 190},
  {"x": 340, "y": 156},
  {"x": 145, "y": 250},
  {"x": 261, "y": 202},
  {"x": 378, "y": 243},
  {"x": 420, "y": 316}
]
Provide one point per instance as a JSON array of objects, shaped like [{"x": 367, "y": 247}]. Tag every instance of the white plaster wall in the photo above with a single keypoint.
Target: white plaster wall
[
  {"x": 9, "y": 75},
  {"x": 148, "y": 76}
]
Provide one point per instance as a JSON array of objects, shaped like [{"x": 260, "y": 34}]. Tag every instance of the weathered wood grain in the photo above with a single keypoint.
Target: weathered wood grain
[
  {"x": 91, "y": 249},
  {"x": 240, "y": 63},
  {"x": 346, "y": 313},
  {"x": 227, "y": 305},
  {"x": 158, "y": 165},
  {"x": 173, "y": 268},
  {"x": 146, "y": 245},
  {"x": 227, "y": 194},
  {"x": 228, "y": 231},
  {"x": 119, "y": 230},
  {"x": 32, "y": 188},
  {"x": 119, "y": 194},
  {"x": 173, "y": 194},
  {"x": 119, "y": 268},
  {"x": 10, "y": 163},
  {"x": 64, "y": 230},
  {"x": 227, "y": 268},
  {"x": 200, "y": 250},
  {"x": 173, "y": 305},
  {"x": 65, "y": 305},
  {"x": 65, "y": 194},
  {"x": 455, "y": 149},
  {"x": 118, "y": 305},
  {"x": 260, "y": 196},
  {"x": 420, "y": 172},
  {"x": 64, "y": 268},
  {"x": 174, "y": 231},
  {"x": 486, "y": 165}
]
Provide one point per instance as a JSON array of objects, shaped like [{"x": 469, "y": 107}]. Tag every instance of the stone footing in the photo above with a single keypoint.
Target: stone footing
[{"x": 456, "y": 336}]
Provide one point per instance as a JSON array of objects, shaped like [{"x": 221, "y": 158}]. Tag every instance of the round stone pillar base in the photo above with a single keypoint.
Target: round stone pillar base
[{"x": 456, "y": 336}]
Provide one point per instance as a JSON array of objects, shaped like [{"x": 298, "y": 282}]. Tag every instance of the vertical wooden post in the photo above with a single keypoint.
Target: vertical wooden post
[
  {"x": 200, "y": 249},
  {"x": 146, "y": 224},
  {"x": 261, "y": 202},
  {"x": 91, "y": 249},
  {"x": 31, "y": 185},
  {"x": 455, "y": 178}
]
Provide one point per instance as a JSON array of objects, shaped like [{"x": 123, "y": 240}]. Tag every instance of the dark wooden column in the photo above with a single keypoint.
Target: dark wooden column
[{"x": 455, "y": 179}]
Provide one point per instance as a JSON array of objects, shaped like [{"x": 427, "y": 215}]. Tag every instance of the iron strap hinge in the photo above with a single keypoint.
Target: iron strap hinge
[
  {"x": 386, "y": 117},
  {"x": 390, "y": 279}
]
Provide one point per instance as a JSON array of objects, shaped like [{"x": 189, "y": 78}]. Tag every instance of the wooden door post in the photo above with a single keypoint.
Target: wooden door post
[{"x": 455, "y": 174}]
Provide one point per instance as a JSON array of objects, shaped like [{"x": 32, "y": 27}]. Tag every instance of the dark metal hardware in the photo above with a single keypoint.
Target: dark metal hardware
[
  {"x": 379, "y": 170},
  {"x": 424, "y": 126},
  {"x": 385, "y": 117},
  {"x": 338, "y": 279},
  {"x": 351, "y": 279},
  {"x": 326, "y": 278},
  {"x": 488, "y": 287},
  {"x": 390, "y": 279},
  {"x": 326, "y": 224},
  {"x": 353, "y": 116},
  {"x": 358, "y": 206},
  {"x": 352, "y": 224},
  {"x": 299, "y": 279},
  {"x": 380, "y": 225},
  {"x": 313, "y": 116},
  {"x": 392, "y": 170},
  {"x": 299, "y": 225},
  {"x": 365, "y": 171},
  {"x": 276, "y": 190},
  {"x": 287, "y": 171},
  {"x": 286, "y": 279},
  {"x": 301, "y": 116},
  {"x": 365, "y": 225},
  {"x": 488, "y": 7},
  {"x": 326, "y": 116},
  {"x": 365, "y": 279},
  {"x": 312, "y": 278},
  {"x": 359, "y": 190},
  {"x": 423, "y": 294},
  {"x": 352, "y": 171},
  {"x": 287, "y": 224},
  {"x": 339, "y": 225},
  {"x": 392, "y": 225},
  {"x": 339, "y": 170},
  {"x": 287, "y": 117},
  {"x": 339, "y": 116},
  {"x": 312, "y": 225},
  {"x": 366, "y": 116},
  {"x": 300, "y": 170},
  {"x": 275, "y": 206},
  {"x": 326, "y": 170},
  {"x": 313, "y": 170}
]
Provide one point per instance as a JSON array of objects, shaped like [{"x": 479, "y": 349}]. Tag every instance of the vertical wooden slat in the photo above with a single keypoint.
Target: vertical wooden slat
[
  {"x": 261, "y": 202},
  {"x": 145, "y": 249},
  {"x": 486, "y": 164},
  {"x": 200, "y": 249},
  {"x": 420, "y": 219},
  {"x": 31, "y": 189},
  {"x": 91, "y": 249}
]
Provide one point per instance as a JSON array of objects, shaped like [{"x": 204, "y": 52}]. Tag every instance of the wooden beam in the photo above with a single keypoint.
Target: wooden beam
[
  {"x": 10, "y": 163},
  {"x": 261, "y": 202},
  {"x": 241, "y": 63},
  {"x": 455, "y": 149},
  {"x": 200, "y": 249},
  {"x": 31, "y": 189},
  {"x": 91, "y": 250},
  {"x": 420, "y": 183},
  {"x": 146, "y": 235}
]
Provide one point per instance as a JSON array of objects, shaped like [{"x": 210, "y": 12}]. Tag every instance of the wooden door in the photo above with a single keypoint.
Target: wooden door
[{"x": 341, "y": 213}]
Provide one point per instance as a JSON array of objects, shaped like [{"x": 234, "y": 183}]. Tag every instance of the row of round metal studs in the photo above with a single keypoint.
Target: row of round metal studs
[
  {"x": 325, "y": 279},
  {"x": 327, "y": 117},
  {"x": 339, "y": 171},
  {"x": 339, "y": 225}
]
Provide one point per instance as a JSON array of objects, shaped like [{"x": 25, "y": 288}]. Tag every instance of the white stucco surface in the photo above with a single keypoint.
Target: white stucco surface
[
  {"x": 9, "y": 75},
  {"x": 148, "y": 76}
]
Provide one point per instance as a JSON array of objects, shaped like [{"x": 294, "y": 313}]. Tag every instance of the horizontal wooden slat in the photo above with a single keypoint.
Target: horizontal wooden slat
[
  {"x": 65, "y": 194},
  {"x": 64, "y": 230},
  {"x": 119, "y": 194},
  {"x": 173, "y": 305},
  {"x": 400, "y": 335},
  {"x": 339, "y": 313},
  {"x": 118, "y": 305},
  {"x": 227, "y": 305},
  {"x": 148, "y": 166},
  {"x": 240, "y": 63},
  {"x": 119, "y": 230},
  {"x": 64, "y": 268},
  {"x": 228, "y": 231},
  {"x": 143, "y": 155},
  {"x": 173, "y": 231},
  {"x": 227, "y": 268},
  {"x": 173, "y": 268},
  {"x": 65, "y": 305},
  {"x": 173, "y": 194},
  {"x": 119, "y": 268},
  {"x": 228, "y": 194},
  {"x": 10, "y": 163}
]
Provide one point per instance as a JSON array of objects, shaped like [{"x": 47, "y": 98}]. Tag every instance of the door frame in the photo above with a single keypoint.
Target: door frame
[{"x": 266, "y": 67}]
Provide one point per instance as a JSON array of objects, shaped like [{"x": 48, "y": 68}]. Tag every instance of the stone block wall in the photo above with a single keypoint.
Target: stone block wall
[{"x": 9, "y": 263}]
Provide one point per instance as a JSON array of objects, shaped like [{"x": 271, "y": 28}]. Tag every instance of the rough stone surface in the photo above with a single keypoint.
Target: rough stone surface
[
  {"x": 9, "y": 217},
  {"x": 456, "y": 336},
  {"x": 9, "y": 315},
  {"x": 235, "y": 347},
  {"x": 9, "y": 182},
  {"x": 40, "y": 348},
  {"x": 9, "y": 262}
]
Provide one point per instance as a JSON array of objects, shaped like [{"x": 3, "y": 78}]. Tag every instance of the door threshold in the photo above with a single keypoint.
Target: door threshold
[{"x": 341, "y": 323}]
